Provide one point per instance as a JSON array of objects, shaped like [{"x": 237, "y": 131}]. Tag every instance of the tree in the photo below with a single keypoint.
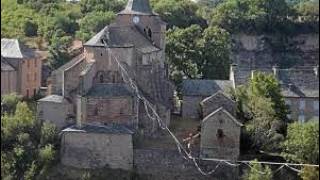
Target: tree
[
  {"x": 196, "y": 53},
  {"x": 101, "y": 5},
  {"x": 258, "y": 172},
  {"x": 310, "y": 173},
  {"x": 179, "y": 13},
  {"x": 93, "y": 23},
  {"x": 30, "y": 29},
  {"x": 9, "y": 103},
  {"x": 262, "y": 107},
  {"x": 302, "y": 143},
  {"x": 24, "y": 155}
]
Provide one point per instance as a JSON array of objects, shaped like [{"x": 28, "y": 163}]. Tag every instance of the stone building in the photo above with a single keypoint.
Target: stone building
[
  {"x": 96, "y": 89},
  {"x": 20, "y": 68},
  {"x": 299, "y": 86},
  {"x": 195, "y": 91},
  {"x": 216, "y": 101},
  {"x": 220, "y": 136}
]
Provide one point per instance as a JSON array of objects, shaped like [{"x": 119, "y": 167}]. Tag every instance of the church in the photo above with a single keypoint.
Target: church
[{"x": 90, "y": 99}]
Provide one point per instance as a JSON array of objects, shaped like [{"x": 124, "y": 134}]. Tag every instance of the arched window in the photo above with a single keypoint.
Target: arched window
[
  {"x": 113, "y": 78},
  {"x": 149, "y": 33},
  {"x": 101, "y": 78}
]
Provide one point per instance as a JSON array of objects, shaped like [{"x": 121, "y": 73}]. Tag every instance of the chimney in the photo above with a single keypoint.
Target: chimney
[
  {"x": 253, "y": 73},
  {"x": 275, "y": 69},
  {"x": 316, "y": 70}
]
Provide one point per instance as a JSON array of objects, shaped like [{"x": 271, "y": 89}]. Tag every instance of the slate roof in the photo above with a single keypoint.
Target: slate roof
[
  {"x": 11, "y": 48},
  {"x": 52, "y": 98},
  {"x": 224, "y": 111},
  {"x": 117, "y": 36},
  {"x": 138, "y": 7},
  {"x": 297, "y": 82},
  {"x": 5, "y": 66},
  {"x": 109, "y": 90},
  {"x": 105, "y": 129},
  {"x": 204, "y": 87}
]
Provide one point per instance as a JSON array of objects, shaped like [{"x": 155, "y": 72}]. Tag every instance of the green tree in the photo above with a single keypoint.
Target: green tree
[
  {"x": 302, "y": 143},
  {"x": 101, "y": 5},
  {"x": 196, "y": 53},
  {"x": 179, "y": 13},
  {"x": 93, "y": 23},
  {"x": 258, "y": 172},
  {"x": 262, "y": 107},
  {"x": 9, "y": 103},
  {"x": 310, "y": 173},
  {"x": 30, "y": 29}
]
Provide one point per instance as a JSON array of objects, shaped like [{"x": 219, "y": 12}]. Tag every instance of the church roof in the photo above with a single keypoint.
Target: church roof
[
  {"x": 52, "y": 98},
  {"x": 204, "y": 87},
  {"x": 117, "y": 36},
  {"x": 11, "y": 48},
  {"x": 138, "y": 7}
]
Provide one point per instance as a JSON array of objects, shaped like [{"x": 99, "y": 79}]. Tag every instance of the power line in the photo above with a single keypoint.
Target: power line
[{"x": 181, "y": 149}]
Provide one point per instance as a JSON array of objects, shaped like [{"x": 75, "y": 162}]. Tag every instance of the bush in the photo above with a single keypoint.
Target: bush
[
  {"x": 258, "y": 172},
  {"x": 30, "y": 29}
]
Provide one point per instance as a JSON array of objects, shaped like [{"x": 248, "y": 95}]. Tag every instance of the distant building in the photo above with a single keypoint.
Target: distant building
[
  {"x": 20, "y": 69},
  {"x": 299, "y": 86},
  {"x": 220, "y": 136},
  {"x": 195, "y": 91}
]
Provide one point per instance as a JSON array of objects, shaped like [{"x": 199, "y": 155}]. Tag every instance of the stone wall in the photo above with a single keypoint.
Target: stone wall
[
  {"x": 191, "y": 108},
  {"x": 110, "y": 110},
  {"x": 87, "y": 77},
  {"x": 97, "y": 150},
  {"x": 160, "y": 164},
  {"x": 220, "y": 136},
  {"x": 265, "y": 50},
  {"x": 8, "y": 82},
  {"x": 71, "y": 77}
]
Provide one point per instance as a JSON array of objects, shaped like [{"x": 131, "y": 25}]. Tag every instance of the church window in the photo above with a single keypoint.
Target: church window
[
  {"x": 101, "y": 54},
  {"x": 96, "y": 111},
  {"x": 101, "y": 78},
  {"x": 220, "y": 133},
  {"x": 221, "y": 121},
  {"x": 149, "y": 33}
]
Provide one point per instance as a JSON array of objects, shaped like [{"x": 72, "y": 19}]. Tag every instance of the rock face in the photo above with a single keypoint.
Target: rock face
[{"x": 264, "y": 51}]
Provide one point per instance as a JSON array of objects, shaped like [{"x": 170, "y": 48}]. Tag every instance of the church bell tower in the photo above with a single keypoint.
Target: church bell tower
[{"x": 140, "y": 14}]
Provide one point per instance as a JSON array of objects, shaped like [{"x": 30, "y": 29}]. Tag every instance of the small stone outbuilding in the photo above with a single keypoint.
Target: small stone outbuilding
[
  {"x": 93, "y": 146},
  {"x": 55, "y": 109},
  {"x": 195, "y": 91},
  {"x": 220, "y": 136}
]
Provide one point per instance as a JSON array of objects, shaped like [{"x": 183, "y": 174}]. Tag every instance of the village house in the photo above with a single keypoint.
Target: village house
[
  {"x": 92, "y": 94},
  {"x": 20, "y": 69},
  {"x": 195, "y": 91},
  {"x": 299, "y": 86}
]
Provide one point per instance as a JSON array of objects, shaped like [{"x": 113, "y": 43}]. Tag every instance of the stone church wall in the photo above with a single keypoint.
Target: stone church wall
[
  {"x": 87, "y": 77},
  {"x": 71, "y": 77},
  {"x": 111, "y": 110},
  {"x": 97, "y": 150}
]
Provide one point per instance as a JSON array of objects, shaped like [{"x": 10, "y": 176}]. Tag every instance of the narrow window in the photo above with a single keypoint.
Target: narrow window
[
  {"x": 316, "y": 105},
  {"x": 34, "y": 91},
  {"x": 35, "y": 76},
  {"x": 28, "y": 77},
  {"x": 35, "y": 63},
  {"x": 96, "y": 111},
  {"x": 101, "y": 54},
  {"x": 101, "y": 78},
  {"x": 113, "y": 78},
  {"x": 149, "y": 33},
  {"x": 220, "y": 134},
  {"x": 28, "y": 63},
  {"x": 27, "y": 93},
  {"x": 301, "y": 118},
  {"x": 302, "y": 104}
]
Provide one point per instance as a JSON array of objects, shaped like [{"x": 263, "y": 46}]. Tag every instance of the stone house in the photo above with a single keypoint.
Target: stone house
[
  {"x": 220, "y": 136},
  {"x": 195, "y": 91},
  {"x": 216, "y": 101},
  {"x": 20, "y": 69},
  {"x": 299, "y": 86},
  {"x": 98, "y": 94}
]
